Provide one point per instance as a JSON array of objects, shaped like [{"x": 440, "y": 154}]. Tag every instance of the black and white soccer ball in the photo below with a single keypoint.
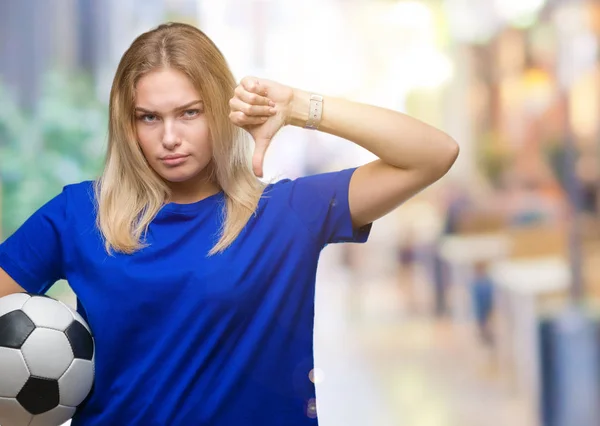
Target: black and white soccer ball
[{"x": 46, "y": 361}]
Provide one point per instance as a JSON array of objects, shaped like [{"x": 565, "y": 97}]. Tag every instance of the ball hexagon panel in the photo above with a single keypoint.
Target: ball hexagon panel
[
  {"x": 29, "y": 397},
  {"x": 79, "y": 318},
  {"x": 45, "y": 312},
  {"x": 56, "y": 416},
  {"x": 11, "y": 411},
  {"x": 81, "y": 341},
  {"x": 13, "y": 372},
  {"x": 47, "y": 353},
  {"x": 76, "y": 383},
  {"x": 13, "y": 302},
  {"x": 15, "y": 328}
]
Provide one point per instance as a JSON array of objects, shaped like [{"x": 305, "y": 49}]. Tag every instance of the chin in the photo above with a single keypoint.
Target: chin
[
  {"x": 170, "y": 179},
  {"x": 177, "y": 177},
  {"x": 180, "y": 176}
]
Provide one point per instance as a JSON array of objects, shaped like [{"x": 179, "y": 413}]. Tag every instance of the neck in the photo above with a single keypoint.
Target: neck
[{"x": 192, "y": 190}]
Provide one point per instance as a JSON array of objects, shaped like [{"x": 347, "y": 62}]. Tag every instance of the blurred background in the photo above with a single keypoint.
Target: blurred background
[{"x": 475, "y": 303}]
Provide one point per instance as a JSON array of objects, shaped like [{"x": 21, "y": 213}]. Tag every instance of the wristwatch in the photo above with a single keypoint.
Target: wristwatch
[{"x": 315, "y": 112}]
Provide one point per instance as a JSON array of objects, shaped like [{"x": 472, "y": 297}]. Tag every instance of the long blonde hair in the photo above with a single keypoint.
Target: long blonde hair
[{"x": 130, "y": 193}]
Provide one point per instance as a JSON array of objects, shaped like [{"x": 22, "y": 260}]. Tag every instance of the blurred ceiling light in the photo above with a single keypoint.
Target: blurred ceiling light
[
  {"x": 302, "y": 54},
  {"x": 471, "y": 21},
  {"x": 410, "y": 14},
  {"x": 412, "y": 33},
  {"x": 423, "y": 67},
  {"x": 519, "y": 12}
]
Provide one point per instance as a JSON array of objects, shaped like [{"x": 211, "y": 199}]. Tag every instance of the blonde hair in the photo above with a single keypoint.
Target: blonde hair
[{"x": 129, "y": 192}]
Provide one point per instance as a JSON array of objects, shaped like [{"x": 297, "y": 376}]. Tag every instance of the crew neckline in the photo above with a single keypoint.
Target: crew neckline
[{"x": 196, "y": 205}]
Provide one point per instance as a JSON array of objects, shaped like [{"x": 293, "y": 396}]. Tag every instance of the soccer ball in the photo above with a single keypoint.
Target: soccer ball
[{"x": 46, "y": 361}]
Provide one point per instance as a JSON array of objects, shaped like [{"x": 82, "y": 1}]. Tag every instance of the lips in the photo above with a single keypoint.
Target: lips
[
  {"x": 174, "y": 160},
  {"x": 173, "y": 157}
]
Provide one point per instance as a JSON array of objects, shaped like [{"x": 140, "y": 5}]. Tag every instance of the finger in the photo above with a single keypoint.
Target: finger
[
  {"x": 260, "y": 150},
  {"x": 253, "y": 85},
  {"x": 240, "y": 119},
  {"x": 237, "y": 104},
  {"x": 252, "y": 98}
]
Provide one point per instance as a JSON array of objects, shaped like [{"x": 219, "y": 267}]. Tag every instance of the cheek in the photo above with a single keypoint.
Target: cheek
[
  {"x": 145, "y": 140},
  {"x": 199, "y": 137}
]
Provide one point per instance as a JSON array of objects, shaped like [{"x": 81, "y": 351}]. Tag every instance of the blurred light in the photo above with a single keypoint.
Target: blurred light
[
  {"x": 303, "y": 54},
  {"x": 519, "y": 12},
  {"x": 584, "y": 106},
  {"x": 538, "y": 91},
  {"x": 412, "y": 31},
  {"x": 409, "y": 14},
  {"x": 311, "y": 408},
  {"x": 423, "y": 67},
  {"x": 471, "y": 21},
  {"x": 316, "y": 375}
]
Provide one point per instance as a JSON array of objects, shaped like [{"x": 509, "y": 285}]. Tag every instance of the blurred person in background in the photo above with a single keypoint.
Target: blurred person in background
[
  {"x": 455, "y": 205},
  {"x": 197, "y": 278},
  {"x": 482, "y": 297},
  {"x": 406, "y": 259}
]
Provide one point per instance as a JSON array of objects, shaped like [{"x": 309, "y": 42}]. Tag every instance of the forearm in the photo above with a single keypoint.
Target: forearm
[{"x": 397, "y": 139}]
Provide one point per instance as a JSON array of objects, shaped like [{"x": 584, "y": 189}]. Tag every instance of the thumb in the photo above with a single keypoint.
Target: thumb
[{"x": 260, "y": 148}]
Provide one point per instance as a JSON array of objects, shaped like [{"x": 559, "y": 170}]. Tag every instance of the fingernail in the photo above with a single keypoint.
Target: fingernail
[
  {"x": 271, "y": 103},
  {"x": 272, "y": 110}
]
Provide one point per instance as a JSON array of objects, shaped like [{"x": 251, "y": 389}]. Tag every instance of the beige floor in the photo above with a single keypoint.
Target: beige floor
[{"x": 385, "y": 364}]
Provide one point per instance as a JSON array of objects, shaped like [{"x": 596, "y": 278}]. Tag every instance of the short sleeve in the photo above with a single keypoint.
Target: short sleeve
[
  {"x": 321, "y": 202},
  {"x": 33, "y": 254}
]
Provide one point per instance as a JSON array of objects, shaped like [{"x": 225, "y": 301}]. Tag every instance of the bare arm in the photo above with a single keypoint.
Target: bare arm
[
  {"x": 8, "y": 285},
  {"x": 412, "y": 155}
]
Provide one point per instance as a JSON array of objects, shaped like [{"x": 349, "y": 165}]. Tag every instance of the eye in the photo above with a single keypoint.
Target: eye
[
  {"x": 191, "y": 113},
  {"x": 148, "y": 118}
]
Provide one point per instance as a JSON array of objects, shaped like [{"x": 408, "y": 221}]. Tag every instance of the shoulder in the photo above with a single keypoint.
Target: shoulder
[
  {"x": 75, "y": 197},
  {"x": 319, "y": 203},
  {"x": 322, "y": 185},
  {"x": 311, "y": 196},
  {"x": 80, "y": 191},
  {"x": 277, "y": 188},
  {"x": 82, "y": 188},
  {"x": 281, "y": 192}
]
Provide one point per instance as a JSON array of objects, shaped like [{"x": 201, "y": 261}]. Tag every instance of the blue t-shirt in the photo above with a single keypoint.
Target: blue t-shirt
[{"x": 184, "y": 339}]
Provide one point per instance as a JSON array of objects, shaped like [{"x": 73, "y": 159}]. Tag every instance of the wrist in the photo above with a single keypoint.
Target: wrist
[{"x": 300, "y": 108}]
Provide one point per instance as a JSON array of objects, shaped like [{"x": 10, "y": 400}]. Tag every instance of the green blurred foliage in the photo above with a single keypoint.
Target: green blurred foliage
[{"x": 61, "y": 142}]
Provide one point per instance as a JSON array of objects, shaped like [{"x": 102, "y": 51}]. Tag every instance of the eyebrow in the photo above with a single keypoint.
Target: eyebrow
[{"x": 179, "y": 108}]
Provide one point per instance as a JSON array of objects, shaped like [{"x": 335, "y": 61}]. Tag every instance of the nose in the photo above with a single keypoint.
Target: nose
[{"x": 171, "y": 139}]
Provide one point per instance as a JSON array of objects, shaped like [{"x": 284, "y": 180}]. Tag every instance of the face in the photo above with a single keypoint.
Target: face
[{"x": 171, "y": 127}]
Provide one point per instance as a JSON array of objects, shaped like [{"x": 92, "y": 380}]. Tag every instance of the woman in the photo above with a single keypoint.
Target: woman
[{"x": 196, "y": 278}]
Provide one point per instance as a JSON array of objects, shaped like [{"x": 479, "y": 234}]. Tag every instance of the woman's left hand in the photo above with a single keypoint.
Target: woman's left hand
[{"x": 261, "y": 107}]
